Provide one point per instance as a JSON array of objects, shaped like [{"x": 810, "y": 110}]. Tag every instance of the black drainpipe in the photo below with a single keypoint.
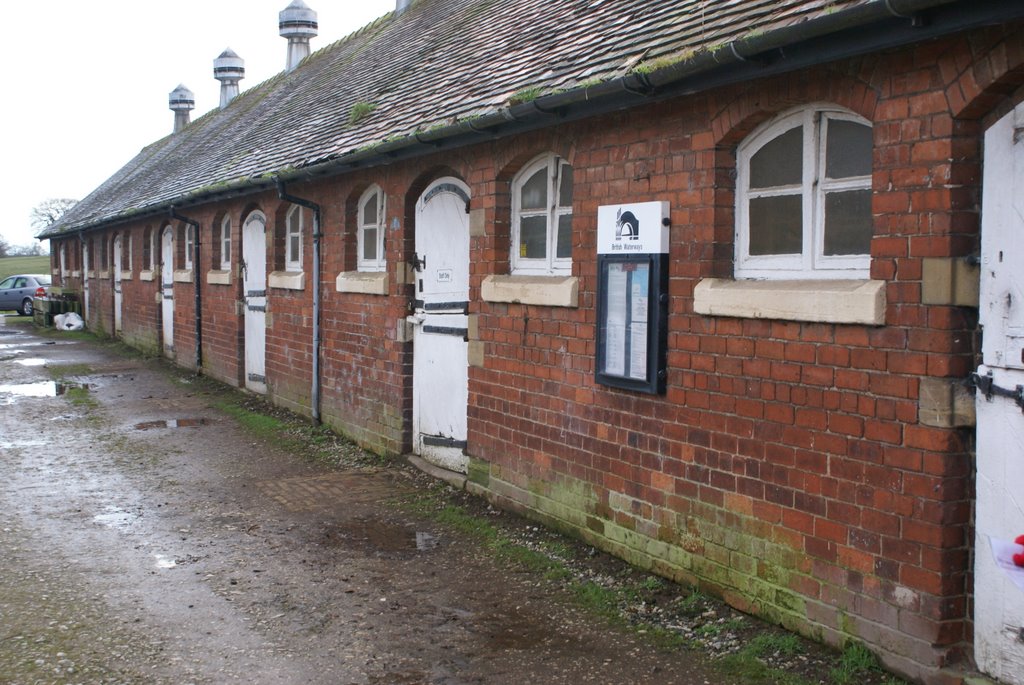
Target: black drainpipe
[
  {"x": 196, "y": 280},
  {"x": 314, "y": 399}
]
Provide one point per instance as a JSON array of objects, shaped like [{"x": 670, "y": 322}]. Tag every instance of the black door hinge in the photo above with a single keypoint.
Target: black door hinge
[{"x": 987, "y": 387}]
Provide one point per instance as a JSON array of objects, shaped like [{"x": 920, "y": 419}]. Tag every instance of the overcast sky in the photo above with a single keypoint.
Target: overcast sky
[{"x": 87, "y": 82}]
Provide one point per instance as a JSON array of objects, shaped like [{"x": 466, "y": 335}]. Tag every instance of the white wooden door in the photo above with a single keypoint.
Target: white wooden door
[
  {"x": 440, "y": 348},
  {"x": 167, "y": 289},
  {"x": 254, "y": 294},
  {"x": 85, "y": 281},
  {"x": 999, "y": 601},
  {"x": 117, "y": 284}
]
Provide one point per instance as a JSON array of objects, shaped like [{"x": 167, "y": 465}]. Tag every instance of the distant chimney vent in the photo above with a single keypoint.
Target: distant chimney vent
[
  {"x": 229, "y": 69},
  {"x": 402, "y": 5},
  {"x": 298, "y": 24},
  {"x": 182, "y": 101}
]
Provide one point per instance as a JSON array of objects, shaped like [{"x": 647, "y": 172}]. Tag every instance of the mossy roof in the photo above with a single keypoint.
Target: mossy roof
[{"x": 438, "y": 63}]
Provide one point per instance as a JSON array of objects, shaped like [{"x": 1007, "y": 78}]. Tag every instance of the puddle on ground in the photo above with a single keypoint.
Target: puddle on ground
[
  {"x": 170, "y": 423},
  {"x": 115, "y": 517},
  {"x": 426, "y": 541},
  {"x": 41, "y": 389},
  {"x": 31, "y": 361},
  {"x": 15, "y": 444},
  {"x": 17, "y": 346},
  {"x": 164, "y": 561},
  {"x": 379, "y": 536}
]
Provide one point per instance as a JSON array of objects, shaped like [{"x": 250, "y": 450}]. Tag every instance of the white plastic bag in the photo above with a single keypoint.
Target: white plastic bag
[{"x": 68, "y": 322}]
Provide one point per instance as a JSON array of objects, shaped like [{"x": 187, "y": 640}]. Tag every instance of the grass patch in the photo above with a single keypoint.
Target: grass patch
[
  {"x": 855, "y": 662},
  {"x": 262, "y": 425},
  {"x": 24, "y": 265},
  {"x": 59, "y": 372},
  {"x": 80, "y": 397}
]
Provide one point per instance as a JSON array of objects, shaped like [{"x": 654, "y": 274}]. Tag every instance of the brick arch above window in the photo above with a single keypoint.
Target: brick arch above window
[{"x": 765, "y": 100}]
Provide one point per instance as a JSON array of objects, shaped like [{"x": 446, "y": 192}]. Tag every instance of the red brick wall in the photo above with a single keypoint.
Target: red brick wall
[{"x": 785, "y": 468}]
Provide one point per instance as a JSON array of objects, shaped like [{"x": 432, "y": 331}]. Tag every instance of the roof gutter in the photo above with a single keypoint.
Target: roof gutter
[{"x": 828, "y": 38}]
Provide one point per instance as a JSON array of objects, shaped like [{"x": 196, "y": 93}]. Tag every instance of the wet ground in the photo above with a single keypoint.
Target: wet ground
[{"x": 146, "y": 536}]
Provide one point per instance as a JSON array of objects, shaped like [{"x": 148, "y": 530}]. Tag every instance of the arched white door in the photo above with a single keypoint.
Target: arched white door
[
  {"x": 440, "y": 347},
  {"x": 85, "y": 281},
  {"x": 167, "y": 289},
  {"x": 117, "y": 284},
  {"x": 999, "y": 509},
  {"x": 254, "y": 293}
]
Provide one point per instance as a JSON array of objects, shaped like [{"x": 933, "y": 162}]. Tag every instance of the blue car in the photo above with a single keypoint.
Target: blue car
[{"x": 16, "y": 292}]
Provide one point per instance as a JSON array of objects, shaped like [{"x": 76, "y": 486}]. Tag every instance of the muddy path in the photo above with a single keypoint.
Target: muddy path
[{"x": 148, "y": 537}]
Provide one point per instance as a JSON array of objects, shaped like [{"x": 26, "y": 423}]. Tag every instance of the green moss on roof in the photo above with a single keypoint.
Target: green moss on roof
[{"x": 360, "y": 111}]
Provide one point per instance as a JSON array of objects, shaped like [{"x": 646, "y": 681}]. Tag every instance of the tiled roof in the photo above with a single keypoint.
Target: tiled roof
[{"x": 440, "y": 63}]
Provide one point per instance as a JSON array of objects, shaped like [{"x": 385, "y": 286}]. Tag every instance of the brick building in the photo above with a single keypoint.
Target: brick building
[{"x": 399, "y": 236}]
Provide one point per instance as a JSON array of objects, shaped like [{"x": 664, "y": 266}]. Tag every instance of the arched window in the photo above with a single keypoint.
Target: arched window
[
  {"x": 803, "y": 197},
  {"x": 370, "y": 233},
  {"x": 542, "y": 217},
  {"x": 147, "y": 249},
  {"x": 225, "y": 243},
  {"x": 293, "y": 239},
  {"x": 189, "y": 243}
]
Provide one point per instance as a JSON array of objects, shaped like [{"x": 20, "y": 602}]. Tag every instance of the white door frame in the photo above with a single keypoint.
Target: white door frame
[
  {"x": 440, "y": 347},
  {"x": 254, "y": 297},
  {"x": 85, "y": 281},
  {"x": 999, "y": 506},
  {"x": 117, "y": 283},
  {"x": 167, "y": 289}
]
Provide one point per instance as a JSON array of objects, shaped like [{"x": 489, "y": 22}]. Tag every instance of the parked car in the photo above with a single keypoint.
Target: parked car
[{"x": 16, "y": 292}]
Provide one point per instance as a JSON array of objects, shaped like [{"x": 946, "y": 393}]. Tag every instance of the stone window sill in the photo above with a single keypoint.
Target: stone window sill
[
  {"x": 217, "y": 277},
  {"x": 146, "y": 275},
  {"x": 183, "y": 276},
  {"x": 550, "y": 291},
  {"x": 126, "y": 275},
  {"x": 287, "y": 280},
  {"x": 364, "y": 282},
  {"x": 820, "y": 301}
]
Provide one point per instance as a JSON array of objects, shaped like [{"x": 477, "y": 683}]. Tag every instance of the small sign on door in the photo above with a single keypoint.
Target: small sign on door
[{"x": 444, "y": 275}]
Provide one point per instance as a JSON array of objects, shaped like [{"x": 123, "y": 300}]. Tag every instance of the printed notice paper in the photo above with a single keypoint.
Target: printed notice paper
[{"x": 1003, "y": 551}]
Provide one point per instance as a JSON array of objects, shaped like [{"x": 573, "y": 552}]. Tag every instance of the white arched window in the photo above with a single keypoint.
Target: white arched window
[
  {"x": 190, "y": 242},
  {"x": 225, "y": 244},
  {"x": 370, "y": 233},
  {"x": 803, "y": 197},
  {"x": 293, "y": 239},
  {"x": 542, "y": 217}
]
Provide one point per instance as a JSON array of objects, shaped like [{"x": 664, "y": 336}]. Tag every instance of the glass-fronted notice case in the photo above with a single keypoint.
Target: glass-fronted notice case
[{"x": 632, "y": 305}]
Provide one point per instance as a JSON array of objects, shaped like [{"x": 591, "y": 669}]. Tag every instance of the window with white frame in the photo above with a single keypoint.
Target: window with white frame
[
  {"x": 803, "y": 197},
  {"x": 129, "y": 244},
  {"x": 190, "y": 241},
  {"x": 542, "y": 217},
  {"x": 370, "y": 232},
  {"x": 225, "y": 244},
  {"x": 293, "y": 239},
  {"x": 147, "y": 249}
]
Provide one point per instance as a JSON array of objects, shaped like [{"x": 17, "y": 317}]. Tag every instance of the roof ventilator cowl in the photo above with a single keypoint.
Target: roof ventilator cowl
[
  {"x": 181, "y": 102},
  {"x": 298, "y": 24},
  {"x": 229, "y": 69}
]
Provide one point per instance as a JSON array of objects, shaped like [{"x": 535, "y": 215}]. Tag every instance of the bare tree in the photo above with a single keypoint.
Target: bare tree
[
  {"x": 48, "y": 211},
  {"x": 4, "y": 247}
]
